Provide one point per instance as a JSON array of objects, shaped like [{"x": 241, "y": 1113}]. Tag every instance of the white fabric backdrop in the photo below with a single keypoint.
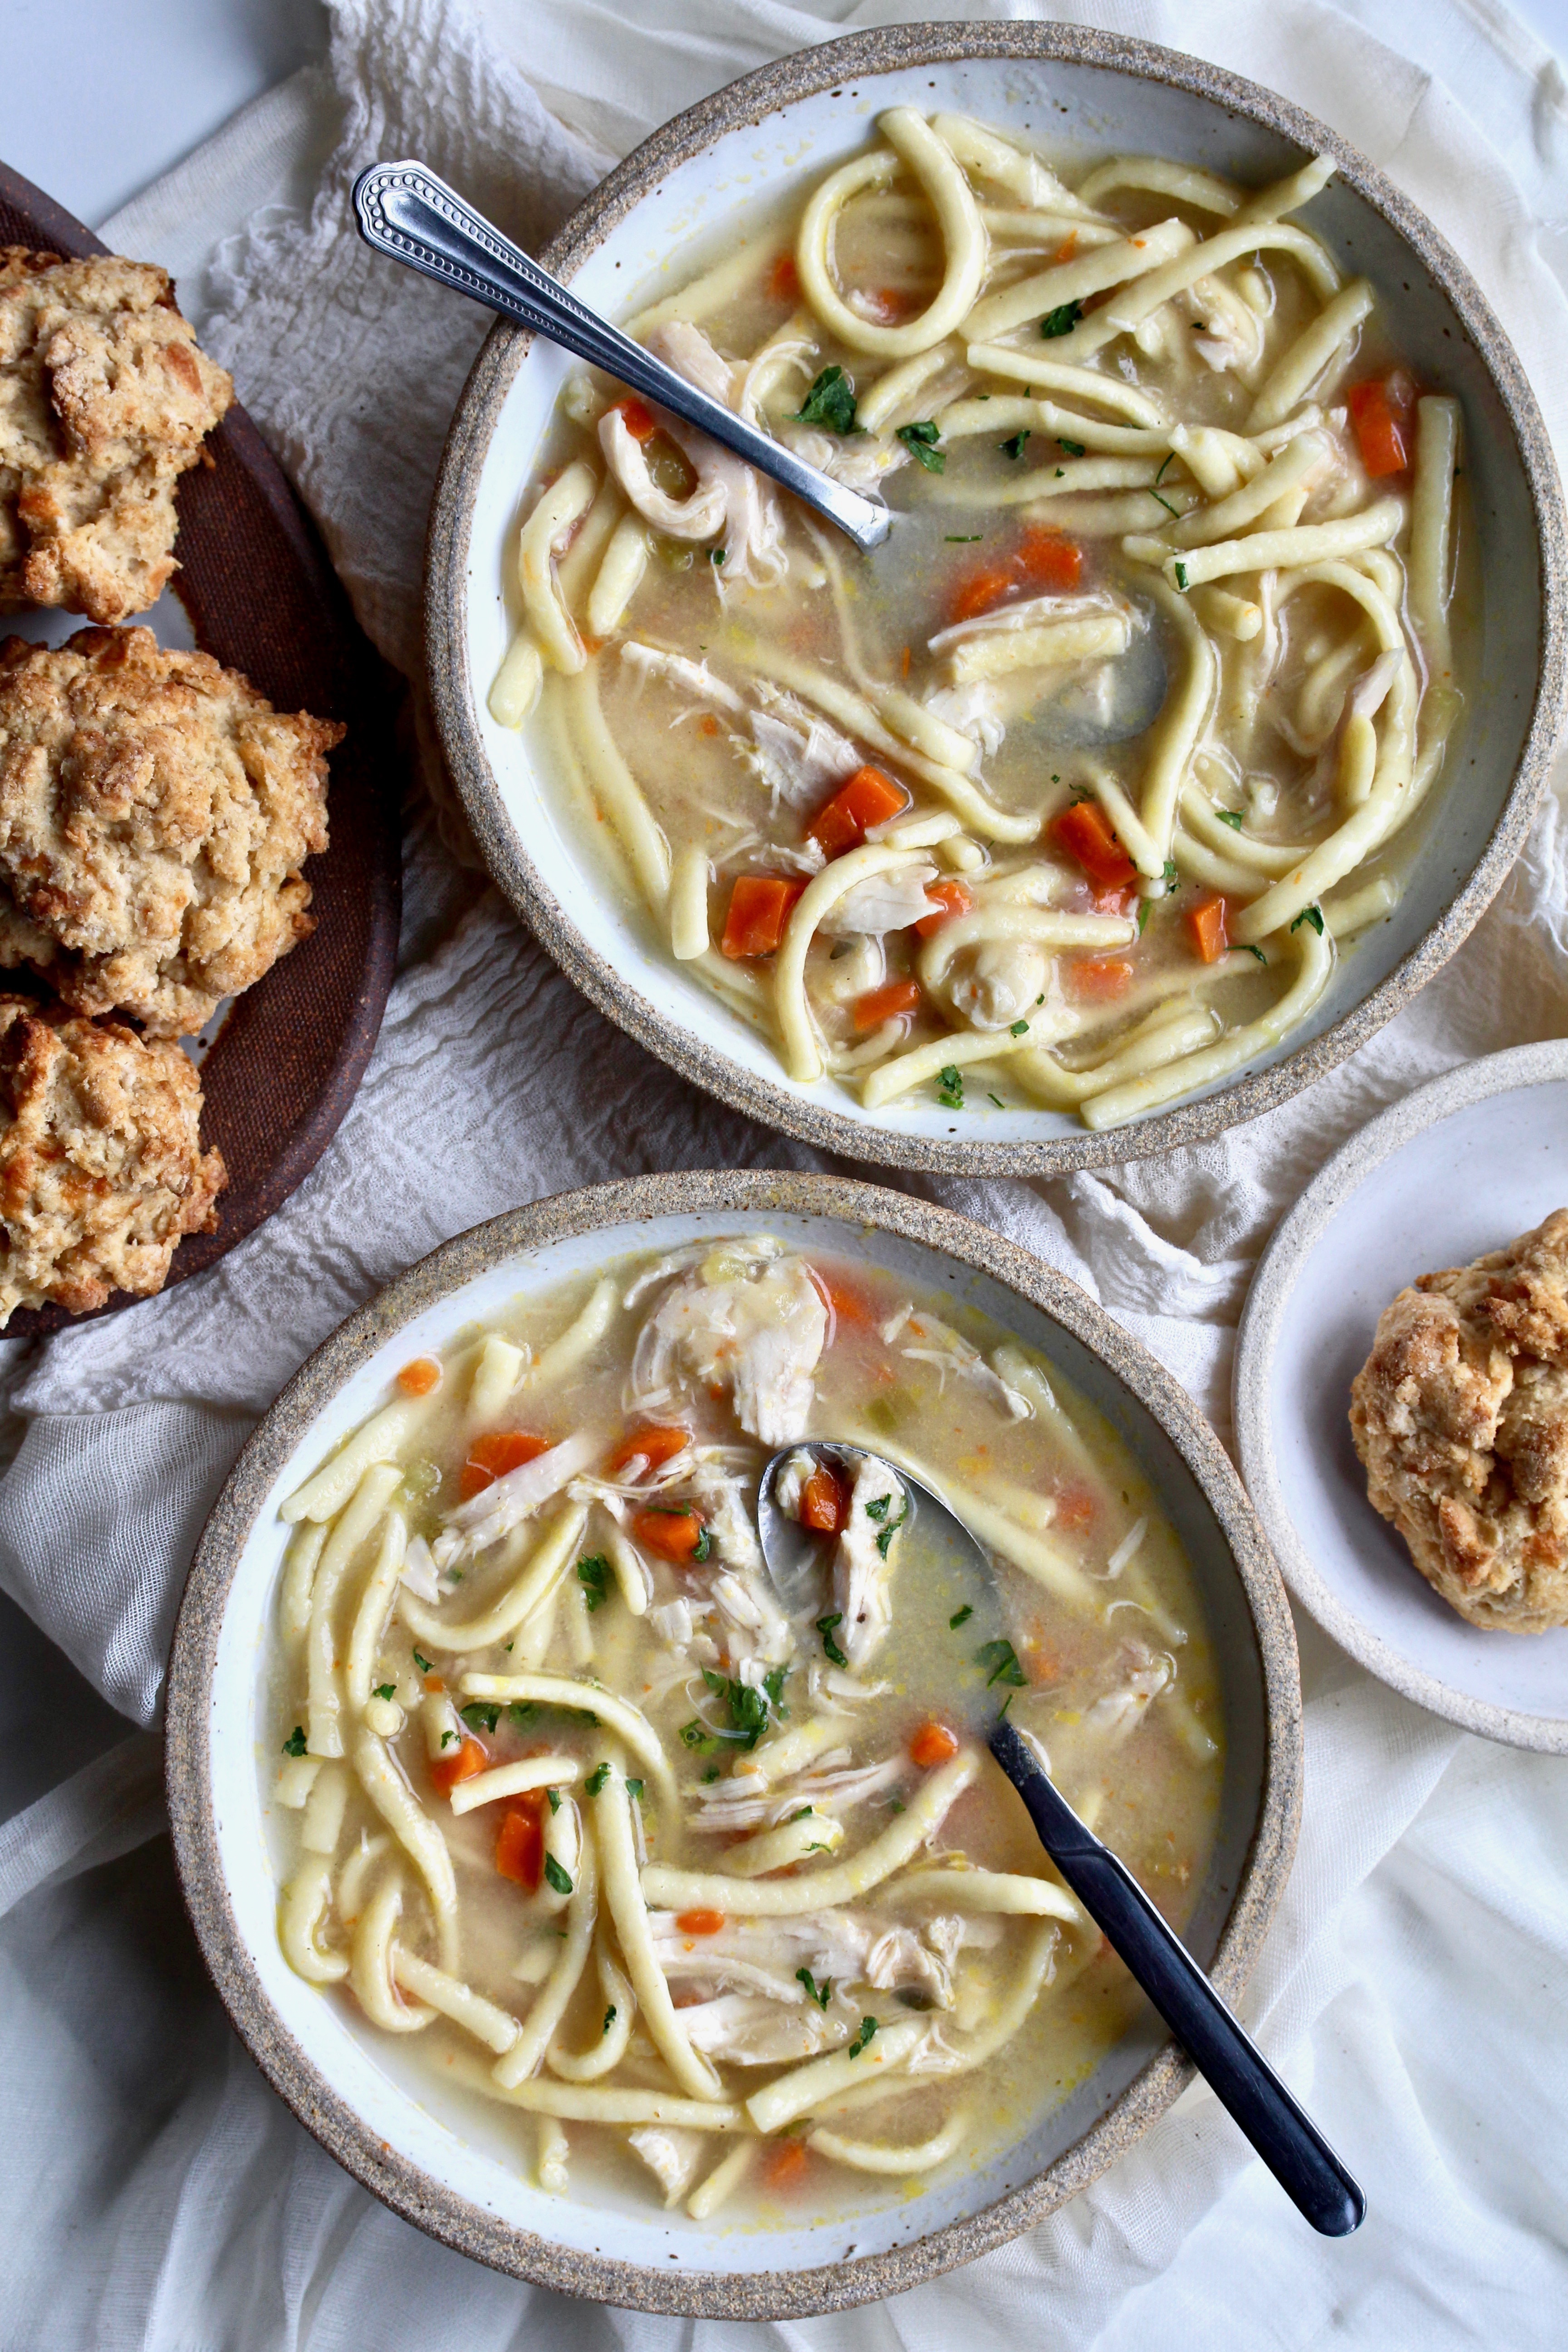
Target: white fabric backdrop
[{"x": 157, "y": 2194}]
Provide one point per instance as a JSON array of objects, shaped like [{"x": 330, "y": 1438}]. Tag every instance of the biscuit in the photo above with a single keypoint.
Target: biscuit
[
  {"x": 1460, "y": 1416},
  {"x": 101, "y": 1171},
  {"x": 104, "y": 401},
  {"x": 154, "y": 814}
]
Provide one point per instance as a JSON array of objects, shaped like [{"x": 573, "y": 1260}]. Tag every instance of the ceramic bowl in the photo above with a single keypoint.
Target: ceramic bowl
[
  {"x": 770, "y": 136},
  {"x": 451, "y": 2168}
]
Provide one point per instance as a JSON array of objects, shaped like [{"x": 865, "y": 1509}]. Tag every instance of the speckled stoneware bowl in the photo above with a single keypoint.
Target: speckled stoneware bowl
[
  {"x": 770, "y": 136},
  {"x": 455, "y": 2168}
]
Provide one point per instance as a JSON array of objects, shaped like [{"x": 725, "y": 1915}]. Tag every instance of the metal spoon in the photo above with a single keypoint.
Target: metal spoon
[
  {"x": 1240, "y": 2076},
  {"x": 407, "y": 213}
]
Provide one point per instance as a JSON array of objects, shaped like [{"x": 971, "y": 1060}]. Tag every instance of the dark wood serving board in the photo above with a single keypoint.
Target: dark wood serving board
[{"x": 261, "y": 596}]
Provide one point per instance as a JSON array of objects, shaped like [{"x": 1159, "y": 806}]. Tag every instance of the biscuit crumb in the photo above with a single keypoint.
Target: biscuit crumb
[
  {"x": 1460, "y": 1416},
  {"x": 154, "y": 814},
  {"x": 105, "y": 401},
  {"x": 101, "y": 1171}
]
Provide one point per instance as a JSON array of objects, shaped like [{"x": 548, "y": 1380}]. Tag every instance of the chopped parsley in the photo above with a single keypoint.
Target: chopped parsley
[
  {"x": 820, "y": 1993},
  {"x": 480, "y": 1715},
  {"x": 1169, "y": 877},
  {"x": 1061, "y": 320},
  {"x": 560, "y": 1879},
  {"x": 962, "y": 538},
  {"x": 633, "y": 1790},
  {"x": 962, "y": 1616},
  {"x": 997, "y": 1100},
  {"x": 895, "y": 1804},
  {"x": 1013, "y": 445},
  {"x": 803, "y": 1814},
  {"x": 596, "y": 1779},
  {"x": 878, "y": 1510},
  {"x": 710, "y": 1775},
  {"x": 1181, "y": 577},
  {"x": 1247, "y": 948},
  {"x": 295, "y": 1743},
  {"x": 950, "y": 1086},
  {"x": 1075, "y": 448},
  {"x": 1313, "y": 915},
  {"x": 422, "y": 1663},
  {"x": 1019, "y": 1029},
  {"x": 554, "y": 1797},
  {"x": 830, "y": 1648},
  {"x": 610, "y": 2020},
  {"x": 386, "y": 1690},
  {"x": 920, "y": 441},
  {"x": 521, "y": 1713},
  {"x": 446, "y": 1737},
  {"x": 1143, "y": 905},
  {"x": 593, "y": 1576},
  {"x": 830, "y": 402},
  {"x": 863, "y": 2039},
  {"x": 1061, "y": 471},
  {"x": 1002, "y": 1660},
  {"x": 715, "y": 555},
  {"x": 1233, "y": 817},
  {"x": 751, "y": 1710}
]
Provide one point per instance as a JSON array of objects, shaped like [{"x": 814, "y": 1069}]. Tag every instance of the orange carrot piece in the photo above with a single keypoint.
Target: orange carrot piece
[
  {"x": 419, "y": 1377},
  {"x": 639, "y": 419},
  {"x": 1206, "y": 928},
  {"x": 933, "y": 1743},
  {"x": 787, "y": 2165},
  {"x": 1099, "y": 978},
  {"x": 784, "y": 280},
  {"x": 1043, "y": 560},
  {"x": 492, "y": 1455},
  {"x": 952, "y": 898},
  {"x": 1382, "y": 426},
  {"x": 700, "y": 1923},
  {"x": 1084, "y": 833},
  {"x": 868, "y": 798},
  {"x": 850, "y": 1304},
  {"x": 678, "y": 1536},
  {"x": 880, "y": 1004},
  {"x": 656, "y": 1445},
  {"x": 1077, "y": 1504},
  {"x": 459, "y": 1764},
  {"x": 760, "y": 907},
  {"x": 520, "y": 1841},
  {"x": 824, "y": 1502}
]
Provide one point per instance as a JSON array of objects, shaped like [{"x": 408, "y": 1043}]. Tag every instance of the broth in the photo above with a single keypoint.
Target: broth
[
  {"x": 1073, "y": 795},
  {"x": 716, "y": 1897}
]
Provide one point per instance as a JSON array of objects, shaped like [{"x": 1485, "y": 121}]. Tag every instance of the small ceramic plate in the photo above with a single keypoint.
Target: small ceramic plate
[{"x": 1461, "y": 1167}]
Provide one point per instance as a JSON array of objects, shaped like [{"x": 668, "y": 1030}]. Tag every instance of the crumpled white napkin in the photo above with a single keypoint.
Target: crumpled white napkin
[{"x": 1406, "y": 1986}]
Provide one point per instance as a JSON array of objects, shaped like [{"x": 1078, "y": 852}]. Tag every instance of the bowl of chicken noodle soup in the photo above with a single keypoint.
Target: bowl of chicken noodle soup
[
  {"x": 635, "y": 1931},
  {"x": 1196, "y": 706}
]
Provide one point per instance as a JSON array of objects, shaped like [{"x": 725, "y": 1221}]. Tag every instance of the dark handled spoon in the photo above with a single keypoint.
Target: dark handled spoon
[{"x": 1241, "y": 2078}]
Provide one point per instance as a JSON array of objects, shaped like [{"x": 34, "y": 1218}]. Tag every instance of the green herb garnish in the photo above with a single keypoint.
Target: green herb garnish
[
  {"x": 1013, "y": 445},
  {"x": 1019, "y": 1029},
  {"x": 920, "y": 441},
  {"x": 554, "y": 1797},
  {"x": 422, "y": 1663},
  {"x": 1181, "y": 577},
  {"x": 1249, "y": 950},
  {"x": 610, "y": 2020},
  {"x": 295, "y": 1743},
  {"x": 863, "y": 2039},
  {"x": 596, "y": 1779},
  {"x": 950, "y": 1086},
  {"x": 593, "y": 1576},
  {"x": 1003, "y": 1662},
  {"x": 386, "y": 1690},
  {"x": 479, "y": 1715},
  {"x": 1233, "y": 817},
  {"x": 1170, "y": 876},
  {"x": 1163, "y": 463},
  {"x": 962, "y": 1616},
  {"x": 1143, "y": 905},
  {"x": 715, "y": 555},
  {"x": 521, "y": 1713},
  {"x": 1061, "y": 320},
  {"x": 962, "y": 538},
  {"x": 446, "y": 1737},
  {"x": 710, "y": 1775},
  {"x": 830, "y": 402},
  {"x": 1159, "y": 502},
  {"x": 1313, "y": 915},
  {"x": 633, "y": 1790},
  {"x": 820, "y": 1993},
  {"x": 1074, "y": 448},
  {"x": 560, "y": 1879},
  {"x": 997, "y": 1100},
  {"x": 830, "y": 1648}
]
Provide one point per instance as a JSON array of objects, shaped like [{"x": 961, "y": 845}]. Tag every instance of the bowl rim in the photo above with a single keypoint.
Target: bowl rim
[
  {"x": 686, "y": 135},
  {"x": 418, "y": 2196}
]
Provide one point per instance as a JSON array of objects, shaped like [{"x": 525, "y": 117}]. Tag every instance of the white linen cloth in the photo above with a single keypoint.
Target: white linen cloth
[{"x": 156, "y": 2193}]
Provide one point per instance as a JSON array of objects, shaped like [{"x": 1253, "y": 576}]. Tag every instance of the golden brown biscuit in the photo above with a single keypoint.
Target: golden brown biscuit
[
  {"x": 154, "y": 814},
  {"x": 101, "y": 1171},
  {"x": 104, "y": 401},
  {"x": 1460, "y": 1415}
]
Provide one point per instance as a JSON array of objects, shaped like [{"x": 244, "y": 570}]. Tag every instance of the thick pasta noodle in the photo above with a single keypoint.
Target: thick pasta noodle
[
  {"x": 685, "y": 1879},
  {"x": 1166, "y": 498}
]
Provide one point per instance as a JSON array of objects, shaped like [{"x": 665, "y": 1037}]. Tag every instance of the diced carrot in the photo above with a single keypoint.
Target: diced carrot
[
  {"x": 1084, "y": 833},
  {"x": 639, "y": 417},
  {"x": 981, "y": 591},
  {"x": 1382, "y": 436},
  {"x": 760, "y": 907},
  {"x": 868, "y": 798},
  {"x": 700, "y": 1923},
  {"x": 1206, "y": 928},
  {"x": 520, "y": 1841},
  {"x": 459, "y": 1764},
  {"x": 492, "y": 1455},
  {"x": 1049, "y": 560},
  {"x": 880, "y": 1004},
  {"x": 1115, "y": 901},
  {"x": 656, "y": 1445},
  {"x": 1077, "y": 1504},
  {"x": 850, "y": 1304},
  {"x": 824, "y": 1502},
  {"x": 953, "y": 900},
  {"x": 708, "y": 725},
  {"x": 678, "y": 1535},
  {"x": 784, "y": 280},
  {"x": 787, "y": 2165},
  {"x": 933, "y": 1743},
  {"x": 420, "y": 1377},
  {"x": 1068, "y": 246},
  {"x": 1099, "y": 978}
]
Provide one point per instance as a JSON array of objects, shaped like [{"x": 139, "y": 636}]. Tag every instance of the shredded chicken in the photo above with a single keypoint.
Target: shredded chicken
[
  {"x": 694, "y": 677},
  {"x": 836, "y": 1787},
  {"x": 863, "y": 1563},
  {"x": 674, "y": 2156},
  {"x": 947, "y": 1351},
  {"x": 838, "y": 1947},
  {"x": 418, "y": 1571},
  {"x": 753, "y": 523},
  {"x": 750, "y": 1318},
  {"x": 883, "y": 902},
  {"x": 799, "y": 757},
  {"x": 975, "y": 710},
  {"x": 995, "y": 985}
]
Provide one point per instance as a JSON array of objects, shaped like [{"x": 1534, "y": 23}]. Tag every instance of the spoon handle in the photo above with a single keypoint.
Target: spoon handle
[
  {"x": 405, "y": 210},
  {"x": 1290, "y": 2143}
]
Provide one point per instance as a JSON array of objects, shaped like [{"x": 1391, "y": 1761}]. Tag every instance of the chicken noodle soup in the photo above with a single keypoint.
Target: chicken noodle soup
[
  {"x": 1072, "y": 795},
  {"x": 717, "y": 1895}
]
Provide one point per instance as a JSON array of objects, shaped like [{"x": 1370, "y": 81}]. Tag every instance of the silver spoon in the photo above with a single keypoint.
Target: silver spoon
[
  {"x": 1240, "y": 2076},
  {"x": 407, "y": 213}
]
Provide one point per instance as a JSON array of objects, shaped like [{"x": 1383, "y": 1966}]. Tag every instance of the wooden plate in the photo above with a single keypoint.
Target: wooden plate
[{"x": 261, "y": 596}]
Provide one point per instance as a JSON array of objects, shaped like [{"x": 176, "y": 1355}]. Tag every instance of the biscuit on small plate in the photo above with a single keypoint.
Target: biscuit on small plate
[
  {"x": 154, "y": 814},
  {"x": 1460, "y": 1416},
  {"x": 105, "y": 400},
  {"x": 101, "y": 1171}
]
